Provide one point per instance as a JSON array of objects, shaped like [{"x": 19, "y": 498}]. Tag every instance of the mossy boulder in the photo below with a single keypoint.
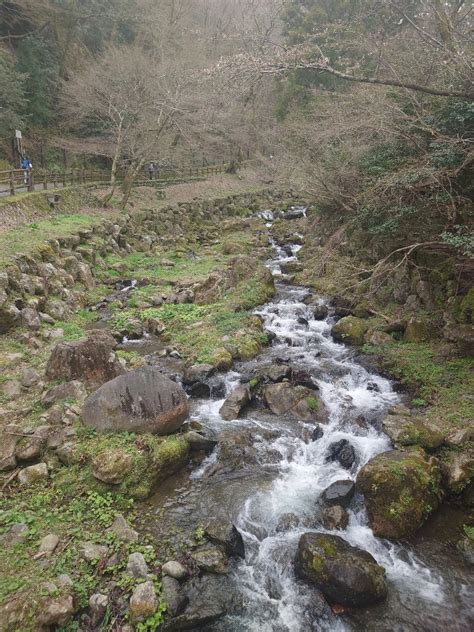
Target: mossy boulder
[
  {"x": 401, "y": 489},
  {"x": 230, "y": 247},
  {"x": 112, "y": 466},
  {"x": 222, "y": 359},
  {"x": 345, "y": 574},
  {"x": 405, "y": 430},
  {"x": 417, "y": 330},
  {"x": 350, "y": 330},
  {"x": 458, "y": 469}
]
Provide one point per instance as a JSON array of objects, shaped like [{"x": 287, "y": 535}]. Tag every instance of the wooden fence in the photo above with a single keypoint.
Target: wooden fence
[{"x": 20, "y": 180}]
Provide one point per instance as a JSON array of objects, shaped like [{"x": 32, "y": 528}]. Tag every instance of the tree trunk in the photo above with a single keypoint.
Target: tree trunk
[{"x": 132, "y": 172}]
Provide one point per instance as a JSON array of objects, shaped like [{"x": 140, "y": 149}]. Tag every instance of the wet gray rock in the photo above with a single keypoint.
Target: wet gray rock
[
  {"x": 299, "y": 401},
  {"x": 320, "y": 312},
  {"x": 273, "y": 372},
  {"x": 287, "y": 522},
  {"x": 175, "y": 600},
  {"x": 198, "y": 373},
  {"x": 339, "y": 493},
  {"x": 209, "y": 598},
  {"x": 198, "y": 442},
  {"x": 141, "y": 401},
  {"x": 334, "y": 518},
  {"x": 225, "y": 534},
  {"x": 92, "y": 360},
  {"x": 234, "y": 403},
  {"x": 210, "y": 559},
  {"x": 345, "y": 574},
  {"x": 343, "y": 452}
]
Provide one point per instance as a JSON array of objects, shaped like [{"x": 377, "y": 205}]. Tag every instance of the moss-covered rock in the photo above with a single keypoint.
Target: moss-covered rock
[
  {"x": 112, "y": 466},
  {"x": 458, "y": 470},
  {"x": 222, "y": 359},
  {"x": 405, "y": 430},
  {"x": 400, "y": 490},
  {"x": 417, "y": 330},
  {"x": 345, "y": 574},
  {"x": 350, "y": 330}
]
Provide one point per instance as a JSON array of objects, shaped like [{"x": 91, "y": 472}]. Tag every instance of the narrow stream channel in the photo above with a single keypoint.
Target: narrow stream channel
[{"x": 273, "y": 497}]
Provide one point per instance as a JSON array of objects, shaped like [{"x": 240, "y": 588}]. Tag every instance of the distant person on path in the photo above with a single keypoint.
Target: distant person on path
[
  {"x": 151, "y": 170},
  {"x": 27, "y": 166}
]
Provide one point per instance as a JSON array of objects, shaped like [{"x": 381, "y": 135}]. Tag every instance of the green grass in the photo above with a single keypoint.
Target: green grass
[
  {"x": 30, "y": 236},
  {"x": 442, "y": 385}
]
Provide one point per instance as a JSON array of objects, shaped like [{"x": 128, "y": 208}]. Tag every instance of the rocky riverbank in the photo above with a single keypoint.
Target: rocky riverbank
[{"x": 106, "y": 335}]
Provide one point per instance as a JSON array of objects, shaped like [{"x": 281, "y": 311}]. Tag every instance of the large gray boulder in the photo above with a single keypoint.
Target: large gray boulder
[
  {"x": 140, "y": 401},
  {"x": 345, "y": 574}
]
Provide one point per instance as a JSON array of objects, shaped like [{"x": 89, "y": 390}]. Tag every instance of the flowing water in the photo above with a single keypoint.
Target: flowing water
[{"x": 272, "y": 499}]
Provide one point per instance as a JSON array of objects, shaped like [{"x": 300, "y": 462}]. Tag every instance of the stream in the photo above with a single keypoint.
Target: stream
[{"x": 271, "y": 493}]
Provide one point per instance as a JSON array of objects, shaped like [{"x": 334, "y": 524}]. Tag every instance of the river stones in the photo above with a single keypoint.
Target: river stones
[
  {"x": 345, "y": 574},
  {"x": 406, "y": 430},
  {"x": 92, "y": 360},
  {"x": 140, "y": 401},
  {"x": 343, "y": 452},
  {"x": 284, "y": 398},
  {"x": 400, "y": 490},
  {"x": 334, "y": 517},
  {"x": 350, "y": 330},
  {"x": 234, "y": 403},
  {"x": 320, "y": 312},
  {"x": 339, "y": 493},
  {"x": 225, "y": 534}
]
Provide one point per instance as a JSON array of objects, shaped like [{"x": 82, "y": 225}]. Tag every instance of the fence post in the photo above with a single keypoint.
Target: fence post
[
  {"x": 31, "y": 184},
  {"x": 64, "y": 178},
  {"x": 12, "y": 183},
  {"x": 45, "y": 182},
  {"x": 55, "y": 181}
]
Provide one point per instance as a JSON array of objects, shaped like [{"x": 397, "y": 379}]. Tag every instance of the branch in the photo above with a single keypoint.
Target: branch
[{"x": 324, "y": 67}]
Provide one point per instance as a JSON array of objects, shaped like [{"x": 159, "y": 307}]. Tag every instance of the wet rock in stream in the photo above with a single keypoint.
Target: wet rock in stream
[{"x": 342, "y": 452}]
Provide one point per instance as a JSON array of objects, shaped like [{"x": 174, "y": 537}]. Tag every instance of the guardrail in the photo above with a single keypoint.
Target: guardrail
[{"x": 19, "y": 180}]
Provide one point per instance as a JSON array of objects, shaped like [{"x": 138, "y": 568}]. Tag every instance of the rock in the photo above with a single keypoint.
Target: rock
[
  {"x": 56, "y": 611},
  {"x": 334, "y": 518},
  {"x": 98, "y": 605},
  {"x": 458, "y": 438},
  {"x": 232, "y": 406},
  {"x": 93, "y": 552},
  {"x": 406, "y": 430},
  {"x": 209, "y": 598},
  {"x": 210, "y": 559},
  {"x": 175, "y": 570},
  {"x": 33, "y": 474},
  {"x": 10, "y": 437},
  {"x": 67, "y": 453},
  {"x": 287, "y": 522},
  {"x": 339, "y": 493},
  {"x": 48, "y": 544},
  {"x": 345, "y": 574},
  {"x": 458, "y": 470},
  {"x": 73, "y": 390},
  {"x": 29, "y": 378},
  {"x": 16, "y": 535},
  {"x": 378, "y": 338},
  {"x": 154, "y": 326},
  {"x": 31, "y": 447},
  {"x": 417, "y": 330},
  {"x": 136, "y": 566},
  {"x": 143, "y": 400},
  {"x": 274, "y": 372},
  {"x": 174, "y": 599},
  {"x": 123, "y": 530},
  {"x": 222, "y": 359},
  {"x": 400, "y": 490},
  {"x": 317, "y": 433},
  {"x": 92, "y": 360},
  {"x": 198, "y": 373},
  {"x": 466, "y": 546},
  {"x": 320, "y": 312},
  {"x": 112, "y": 466},
  {"x": 199, "y": 443},
  {"x": 343, "y": 452},
  {"x": 12, "y": 389},
  {"x": 225, "y": 534},
  {"x": 350, "y": 330},
  {"x": 143, "y": 602},
  {"x": 302, "y": 402},
  {"x": 30, "y": 319}
]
